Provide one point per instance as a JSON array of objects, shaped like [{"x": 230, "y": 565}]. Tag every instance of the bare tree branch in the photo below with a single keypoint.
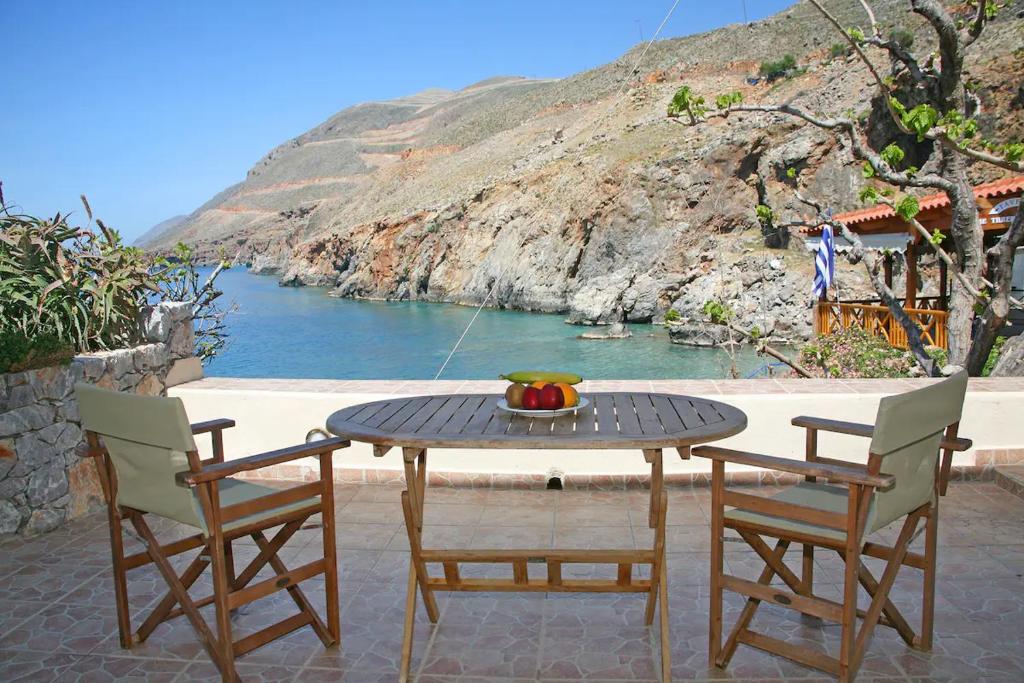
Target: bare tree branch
[
  {"x": 951, "y": 53},
  {"x": 975, "y": 27}
]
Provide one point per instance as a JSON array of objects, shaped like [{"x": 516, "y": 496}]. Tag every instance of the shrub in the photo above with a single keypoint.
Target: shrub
[
  {"x": 84, "y": 288},
  {"x": 672, "y": 315},
  {"x": 778, "y": 69},
  {"x": 178, "y": 279},
  {"x": 19, "y": 352},
  {"x": 993, "y": 356},
  {"x": 903, "y": 37},
  {"x": 855, "y": 353},
  {"x": 839, "y": 50}
]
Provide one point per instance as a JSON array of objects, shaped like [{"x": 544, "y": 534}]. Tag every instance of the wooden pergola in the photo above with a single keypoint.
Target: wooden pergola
[{"x": 997, "y": 205}]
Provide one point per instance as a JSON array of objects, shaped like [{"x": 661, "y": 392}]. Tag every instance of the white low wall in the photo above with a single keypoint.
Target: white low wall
[{"x": 268, "y": 419}]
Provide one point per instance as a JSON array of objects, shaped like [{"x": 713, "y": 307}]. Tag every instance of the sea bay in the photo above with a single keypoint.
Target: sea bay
[{"x": 304, "y": 333}]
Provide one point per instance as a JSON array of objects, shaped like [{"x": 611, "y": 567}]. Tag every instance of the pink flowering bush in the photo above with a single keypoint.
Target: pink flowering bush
[{"x": 854, "y": 353}]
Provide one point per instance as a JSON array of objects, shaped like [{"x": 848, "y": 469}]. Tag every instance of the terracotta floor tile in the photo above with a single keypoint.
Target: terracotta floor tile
[{"x": 57, "y": 608}]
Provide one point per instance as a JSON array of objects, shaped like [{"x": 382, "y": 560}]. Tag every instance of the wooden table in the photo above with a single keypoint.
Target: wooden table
[{"x": 644, "y": 421}]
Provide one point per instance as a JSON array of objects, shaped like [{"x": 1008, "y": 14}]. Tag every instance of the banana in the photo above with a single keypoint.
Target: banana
[{"x": 530, "y": 376}]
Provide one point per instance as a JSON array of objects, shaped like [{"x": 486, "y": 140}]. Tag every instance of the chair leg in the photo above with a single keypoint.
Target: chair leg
[
  {"x": 330, "y": 551},
  {"x": 164, "y": 607},
  {"x": 717, "y": 563},
  {"x": 851, "y": 567},
  {"x": 188, "y": 606},
  {"x": 295, "y": 591},
  {"x": 229, "y": 563},
  {"x": 808, "y": 570},
  {"x": 221, "y": 590},
  {"x": 931, "y": 539},
  {"x": 124, "y": 623},
  {"x": 747, "y": 615}
]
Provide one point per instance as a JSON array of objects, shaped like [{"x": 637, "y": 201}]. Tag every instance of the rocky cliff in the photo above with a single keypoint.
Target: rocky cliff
[{"x": 578, "y": 195}]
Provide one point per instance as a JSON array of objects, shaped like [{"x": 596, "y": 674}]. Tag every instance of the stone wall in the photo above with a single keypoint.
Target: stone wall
[{"x": 43, "y": 481}]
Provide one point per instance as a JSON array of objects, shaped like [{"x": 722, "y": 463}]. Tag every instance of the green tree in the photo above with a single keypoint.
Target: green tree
[{"x": 943, "y": 117}]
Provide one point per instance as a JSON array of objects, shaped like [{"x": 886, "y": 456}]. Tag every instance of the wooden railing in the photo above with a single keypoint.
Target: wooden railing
[
  {"x": 927, "y": 303},
  {"x": 876, "y": 319}
]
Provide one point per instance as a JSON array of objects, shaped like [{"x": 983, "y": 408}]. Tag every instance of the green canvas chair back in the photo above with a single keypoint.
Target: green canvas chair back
[
  {"x": 907, "y": 433},
  {"x": 147, "y": 438}
]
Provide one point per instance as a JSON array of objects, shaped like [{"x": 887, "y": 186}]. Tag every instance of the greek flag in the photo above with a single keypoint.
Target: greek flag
[{"x": 824, "y": 262}]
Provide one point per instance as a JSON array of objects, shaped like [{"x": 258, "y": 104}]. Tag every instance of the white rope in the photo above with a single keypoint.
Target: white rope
[{"x": 618, "y": 98}]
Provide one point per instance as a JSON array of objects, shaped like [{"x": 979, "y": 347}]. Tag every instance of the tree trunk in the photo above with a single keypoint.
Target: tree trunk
[
  {"x": 968, "y": 240},
  {"x": 1000, "y": 272}
]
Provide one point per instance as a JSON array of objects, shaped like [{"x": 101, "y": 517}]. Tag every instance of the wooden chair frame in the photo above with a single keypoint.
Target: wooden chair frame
[
  {"x": 862, "y": 480},
  {"x": 231, "y": 589}
]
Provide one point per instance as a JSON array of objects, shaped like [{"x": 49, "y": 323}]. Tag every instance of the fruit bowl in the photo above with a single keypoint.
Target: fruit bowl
[
  {"x": 503, "y": 405},
  {"x": 548, "y": 393}
]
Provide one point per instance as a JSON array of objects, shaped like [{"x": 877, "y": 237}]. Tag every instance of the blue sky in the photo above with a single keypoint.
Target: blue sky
[{"x": 149, "y": 108}]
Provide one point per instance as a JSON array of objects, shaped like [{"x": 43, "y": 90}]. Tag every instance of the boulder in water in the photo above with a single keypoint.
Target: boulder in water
[{"x": 613, "y": 331}]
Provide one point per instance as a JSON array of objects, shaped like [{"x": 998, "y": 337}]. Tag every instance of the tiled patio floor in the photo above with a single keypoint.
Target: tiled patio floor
[{"x": 57, "y": 612}]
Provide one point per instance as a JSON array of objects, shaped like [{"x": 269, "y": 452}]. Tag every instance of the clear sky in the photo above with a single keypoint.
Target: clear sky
[{"x": 150, "y": 108}]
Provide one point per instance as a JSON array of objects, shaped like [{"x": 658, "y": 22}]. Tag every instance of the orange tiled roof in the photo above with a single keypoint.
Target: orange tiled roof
[{"x": 998, "y": 188}]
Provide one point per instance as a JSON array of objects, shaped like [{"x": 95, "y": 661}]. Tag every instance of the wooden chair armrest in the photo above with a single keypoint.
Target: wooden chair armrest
[
  {"x": 822, "y": 424},
  {"x": 838, "y": 426},
  {"x": 255, "y": 462},
  {"x": 217, "y": 425},
  {"x": 840, "y": 473}
]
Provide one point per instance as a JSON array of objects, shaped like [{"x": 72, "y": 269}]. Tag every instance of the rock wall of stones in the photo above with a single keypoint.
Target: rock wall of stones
[{"x": 43, "y": 479}]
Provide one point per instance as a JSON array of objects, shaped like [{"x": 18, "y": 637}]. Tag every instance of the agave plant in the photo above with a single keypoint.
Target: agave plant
[{"x": 80, "y": 286}]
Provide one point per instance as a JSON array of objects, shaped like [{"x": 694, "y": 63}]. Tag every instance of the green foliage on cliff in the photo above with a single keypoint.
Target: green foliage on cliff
[
  {"x": 688, "y": 102},
  {"x": 778, "y": 68}
]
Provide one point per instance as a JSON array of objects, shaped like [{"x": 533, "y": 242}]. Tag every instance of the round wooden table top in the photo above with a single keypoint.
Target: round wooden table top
[{"x": 612, "y": 420}]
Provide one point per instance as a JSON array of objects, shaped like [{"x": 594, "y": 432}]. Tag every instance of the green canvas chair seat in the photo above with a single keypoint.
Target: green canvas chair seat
[
  {"x": 824, "y": 497},
  {"x": 234, "y": 491}
]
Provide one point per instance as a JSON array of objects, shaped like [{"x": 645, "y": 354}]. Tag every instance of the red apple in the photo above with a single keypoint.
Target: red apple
[
  {"x": 551, "y": 397},
  {"x": 531, "y": 398}
]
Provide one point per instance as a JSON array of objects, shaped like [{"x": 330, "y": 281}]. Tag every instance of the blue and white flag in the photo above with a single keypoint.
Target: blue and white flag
[{"x": 824, "y": 262}]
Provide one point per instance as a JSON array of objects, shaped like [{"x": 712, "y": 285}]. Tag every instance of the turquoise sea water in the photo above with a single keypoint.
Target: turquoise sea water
[{"x": 303, "y": 333}]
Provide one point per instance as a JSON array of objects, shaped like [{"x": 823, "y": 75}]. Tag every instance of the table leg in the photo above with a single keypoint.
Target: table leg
[
  {"x": 654, "y": 457},
  {"x": 666, "y": 645},
  {"x": 415, "y": 488},
  {"x": 408, "y": 627},
  {"x": 658, "y": 597}
]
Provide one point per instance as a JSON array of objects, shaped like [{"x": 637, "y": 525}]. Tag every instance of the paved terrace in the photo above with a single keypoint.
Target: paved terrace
[{"x": 57, "y": 608}]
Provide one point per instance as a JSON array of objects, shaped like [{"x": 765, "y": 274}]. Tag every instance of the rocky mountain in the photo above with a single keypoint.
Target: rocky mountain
[
  {"x": 578, "y": 195},
  {"x": 162, "y": 229}
]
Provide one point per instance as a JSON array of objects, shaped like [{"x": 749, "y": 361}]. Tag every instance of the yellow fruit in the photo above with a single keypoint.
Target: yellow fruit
[
  {"x": 531, "y": 376},
  {"x": 570, "y": 395},
  {"x": 540, "y": 384}
]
